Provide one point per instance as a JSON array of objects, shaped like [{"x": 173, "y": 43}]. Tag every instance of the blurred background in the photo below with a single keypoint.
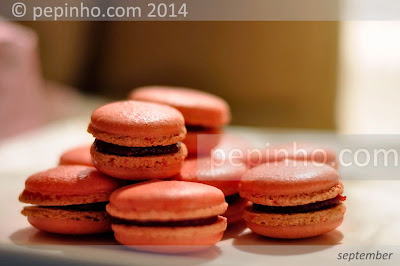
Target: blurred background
[{"x": 341, "y": 76}]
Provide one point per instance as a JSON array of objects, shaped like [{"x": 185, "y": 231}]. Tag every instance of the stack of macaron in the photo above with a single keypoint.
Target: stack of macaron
[
  {"x": 136, "y": 180},
  {"x": 205, "y": 115}
]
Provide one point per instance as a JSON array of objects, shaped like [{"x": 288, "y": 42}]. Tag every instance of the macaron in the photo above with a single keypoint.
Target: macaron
[
  {"x": 168, "y": 216},
  {"x": 138, "y": 140},
  {"x": 300, "y": 151},
  {"x": 224, "y": 175},
  {"x": 78, "y": 155},
  {"x": 69, "y": 199},
  {"x": 204, "y": 113},
  {"x": 292, "y": 199}
]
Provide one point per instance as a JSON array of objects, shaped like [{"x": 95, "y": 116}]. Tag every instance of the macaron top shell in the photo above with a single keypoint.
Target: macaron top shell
[
  {"x": 199, "y": 108},
  {"x": 289, "y": 177},
  {"x": 71, "y": 180},
  {"x": 166, "y": 200},
  {"x": 205, "y": 170},
  {"x": 137, "y": 120}
]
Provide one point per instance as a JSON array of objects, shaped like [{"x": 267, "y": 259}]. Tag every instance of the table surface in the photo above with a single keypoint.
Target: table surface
[{"x": 372, "y": 220}]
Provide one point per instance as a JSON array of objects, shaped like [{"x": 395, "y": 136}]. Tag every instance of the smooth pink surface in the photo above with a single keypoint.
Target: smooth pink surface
[
  {"x": 205, "y": 170},
  {"x": 288, "y": 177},
  {"x": 198, "y": 107},
  {"x": 71, "y": 180},
  {"x": 137, "y": 119},
  {"x": 79, "y": 155},
  {"x": 166, "y": 196}
]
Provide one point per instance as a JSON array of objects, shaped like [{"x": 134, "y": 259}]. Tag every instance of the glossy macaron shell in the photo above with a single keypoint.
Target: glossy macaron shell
[
  {"x": 152, "y": 124},
  {"x": 166, "y": 200},
  {"x": 69, "y": 184},
  {"x": 221, "y": 174},
  {"x": 199, "y": 108},
  {"x": 289, "y": 177},
  {"x": 79, "y": 155}
]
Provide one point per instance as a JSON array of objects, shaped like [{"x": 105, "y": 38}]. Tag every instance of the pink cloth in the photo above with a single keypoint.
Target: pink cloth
[{"x": 22, "y": 94}]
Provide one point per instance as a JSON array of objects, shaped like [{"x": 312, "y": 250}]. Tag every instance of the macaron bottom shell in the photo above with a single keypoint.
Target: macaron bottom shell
[
  {"x": 170, "y": 239},
  {"x": 68, "y": 222},
  {"x": 139, "y": 168},
  {"x": 295, "y": 225},
  {"x": 295, "y": 232}
]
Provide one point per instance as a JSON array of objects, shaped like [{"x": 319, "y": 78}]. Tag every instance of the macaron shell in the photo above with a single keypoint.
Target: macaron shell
[
  {"x": 198, "y": 107},
  {"x": 170, "y": 239},
  {"x": 166, "y": 201},
  {"x": 139, "y": 168},
  {"x": 69, "y": 227},
  {"x": 79, "y": 155},
  {"x": 298, "y": 225},
  {"x": 146, "y": 122},
  {"x": 295, "y": 232},
  {"x": 69, "y": 184},
  {"x": 288, "y": 177},
  {"x": 294, "y": 219},
  {"x": 41, "y": 199},
  {"x": 209, "y": 139},
  {"x": 67, "y": 221},
  {"x": 294, "y": 199},
  {"x": 205, "y": 170}
]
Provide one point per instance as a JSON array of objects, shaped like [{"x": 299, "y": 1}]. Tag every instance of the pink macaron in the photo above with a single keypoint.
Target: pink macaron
[
  {"x": 69, "y": 199},
  {"x": 204, "y": 113},
  {"x": 138, "y": 140},
  {"x": 292, "y": 199},
  {"x": 168, "y": 216}
]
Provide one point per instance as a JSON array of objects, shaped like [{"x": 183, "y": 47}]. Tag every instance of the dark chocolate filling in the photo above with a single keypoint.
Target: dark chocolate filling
[
  {"x": 196, "y": 222},
  {"x": 112, "y": 149},
  {"x": 232, "y": 198},
  {"x": 311, "y": 207},
  {"x": 99, "y": 206},
  {"x": 194, "y": 128}
]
